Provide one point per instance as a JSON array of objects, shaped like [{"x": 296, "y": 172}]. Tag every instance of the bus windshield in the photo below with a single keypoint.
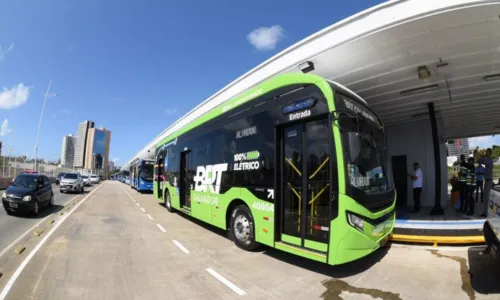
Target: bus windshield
[
  {"x": 147, "y": 171},
  {"x": 367, "y": 157}
]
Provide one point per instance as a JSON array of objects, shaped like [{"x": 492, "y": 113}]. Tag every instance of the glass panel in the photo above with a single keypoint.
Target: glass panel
[
  {"x": 99, "y": 149},
  {"x": 292, "y": 179},
  {"x": 318, "y": 180}
]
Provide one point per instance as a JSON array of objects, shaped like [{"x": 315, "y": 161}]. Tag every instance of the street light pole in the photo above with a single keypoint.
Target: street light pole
[{"x": 40, "y": 123}]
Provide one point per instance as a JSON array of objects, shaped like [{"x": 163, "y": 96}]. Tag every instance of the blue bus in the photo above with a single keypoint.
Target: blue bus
[{"x": 141, "y": 174}]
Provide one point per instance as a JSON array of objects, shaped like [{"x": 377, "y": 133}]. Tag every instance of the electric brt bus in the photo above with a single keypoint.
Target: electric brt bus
[
  {"x": 123, "y": 176},
  {"x": 141, "y": 174},
  {"x": 298, "y": 163}
]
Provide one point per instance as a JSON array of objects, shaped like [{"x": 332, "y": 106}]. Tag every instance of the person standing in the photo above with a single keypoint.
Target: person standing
[
  {"x": 462, "y": 178},
  {"x": 418, "y": 185},
  {"x": 488, "y": 179},
  {"x": 471, "y": 186},
  {"x": 479, "y": 182}
]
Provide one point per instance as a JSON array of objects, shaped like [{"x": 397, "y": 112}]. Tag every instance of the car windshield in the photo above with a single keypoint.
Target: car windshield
[
  {"x": 85, "y": 177},
  {"x": 25, "y": 181},
  {"x": 93, "y": 177},
  {"x": 60, "y": 175},
  {"x": 367, "y": 156},
  {"x": 70, "y": 176}
]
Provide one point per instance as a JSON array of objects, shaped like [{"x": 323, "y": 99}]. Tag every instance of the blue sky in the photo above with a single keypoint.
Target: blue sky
[{"x": 133, "y": 67}]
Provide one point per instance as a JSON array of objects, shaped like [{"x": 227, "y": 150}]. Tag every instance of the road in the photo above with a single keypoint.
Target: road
[
  {"x": 119, "y": 244},
  {"x": 12, "y": 227}
]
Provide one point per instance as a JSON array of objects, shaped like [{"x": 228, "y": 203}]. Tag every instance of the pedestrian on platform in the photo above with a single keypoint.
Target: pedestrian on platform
[
  {"x": 462, "y": 178},
  {"x": 471, "y": 186},
  {"x": 488, "y": 179},
  {"x": 479, "y": 182},
  {"x": 418, "y": 184}
]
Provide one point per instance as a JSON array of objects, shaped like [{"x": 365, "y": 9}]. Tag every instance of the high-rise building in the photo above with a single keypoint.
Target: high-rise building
[
  {"x": 81, "y": 143},
  {"x": 458, "y": 147},
  {"x": 111, "y": 165},
  {"x": 97, "y": 151},
  {"x": 68, "y": 151}
]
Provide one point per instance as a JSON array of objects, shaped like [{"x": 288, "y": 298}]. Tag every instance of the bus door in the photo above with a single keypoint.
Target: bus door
[
  {"x": 160, "y": 169},
  {"x": 185, "y": 180},
  {"x": 305, "y": 184}
]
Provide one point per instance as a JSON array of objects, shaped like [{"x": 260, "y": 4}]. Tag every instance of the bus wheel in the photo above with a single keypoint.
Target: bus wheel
[
  {"x": 242, "y": 228},
  {"x": 168, "y": 202}
]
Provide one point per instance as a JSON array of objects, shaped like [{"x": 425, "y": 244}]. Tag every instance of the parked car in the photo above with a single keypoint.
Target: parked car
[
  {"x": 72, "y": 182},
  {"x": 94, "y": 179},
  {"x": 86, "y": 180},
  {"x": 28, "y": 193},
  {"x": 59, "y": 176}
]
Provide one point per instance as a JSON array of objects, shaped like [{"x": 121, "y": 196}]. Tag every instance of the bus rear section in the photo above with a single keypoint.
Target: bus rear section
[{"x": 302, "y": 167}]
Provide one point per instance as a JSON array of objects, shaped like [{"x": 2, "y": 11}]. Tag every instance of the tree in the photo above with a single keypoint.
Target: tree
[{"x": 495, "y": 151}]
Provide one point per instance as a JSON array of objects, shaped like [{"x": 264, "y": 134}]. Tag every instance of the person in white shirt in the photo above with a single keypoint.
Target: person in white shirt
[{"x": 418, "y": 185}]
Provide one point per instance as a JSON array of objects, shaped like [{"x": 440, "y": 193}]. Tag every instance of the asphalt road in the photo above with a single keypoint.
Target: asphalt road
[
  {"x": 15, "y": 225},
  {"x": 116, "y": 243}
]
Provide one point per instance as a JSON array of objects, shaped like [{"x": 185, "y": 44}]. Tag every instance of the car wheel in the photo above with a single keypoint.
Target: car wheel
[
  {"x": 168, "y": 202},
  {"x": 62, "y": 192},
  {"x": 242, "y": 228},
  {"x": 36, "y": 208},
  {"x": 8, "y": 212},
  {"x": 51, "y": 203},
  {"x": 82, "y": 190}
]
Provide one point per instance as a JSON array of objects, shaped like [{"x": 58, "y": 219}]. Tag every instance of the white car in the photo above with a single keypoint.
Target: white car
[
  {"x": 94, "y": 179},
  {"x": 86, "y": 180}
]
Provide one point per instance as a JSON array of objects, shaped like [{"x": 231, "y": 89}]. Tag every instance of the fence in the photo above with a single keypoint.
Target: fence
[{"x": 10, "y": 167}]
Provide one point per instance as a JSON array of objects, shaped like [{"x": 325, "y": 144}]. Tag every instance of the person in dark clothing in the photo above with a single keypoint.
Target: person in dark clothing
[
  {"x": 462, "y": 177},
  {"x": 479, "y": 182},
  {"x": 471, "y": 186}
]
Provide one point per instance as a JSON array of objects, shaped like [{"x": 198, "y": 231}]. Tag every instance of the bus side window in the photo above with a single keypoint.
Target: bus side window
[{"x": 249, "y": 150}]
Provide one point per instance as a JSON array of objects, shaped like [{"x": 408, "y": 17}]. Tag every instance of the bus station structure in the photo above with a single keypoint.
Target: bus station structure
[{"x": 430, "y": 69}]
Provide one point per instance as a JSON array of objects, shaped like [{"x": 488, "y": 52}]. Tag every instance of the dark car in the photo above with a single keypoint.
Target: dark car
[
  {"x": 59, "y": 176},
  {"x": 28, "y": 193}
]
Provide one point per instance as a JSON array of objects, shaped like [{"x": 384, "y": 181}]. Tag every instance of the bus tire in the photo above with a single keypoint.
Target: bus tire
[
  {"x": 242, "y": 228},
  {"x": 168, "y": 202}
]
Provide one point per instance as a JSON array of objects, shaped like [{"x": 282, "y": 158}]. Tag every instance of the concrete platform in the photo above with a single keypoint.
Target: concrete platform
[{"x": 451, "y": 228}]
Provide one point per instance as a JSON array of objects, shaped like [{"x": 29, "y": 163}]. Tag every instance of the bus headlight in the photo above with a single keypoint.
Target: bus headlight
[
  {"x": 27, "y": 198},
  {"x": 356, "y": 222}
]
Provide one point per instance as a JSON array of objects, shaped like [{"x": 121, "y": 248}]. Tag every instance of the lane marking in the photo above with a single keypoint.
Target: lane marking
[
  {"x": 138, "y": 204},
  {"x": 28, "y": 258},
  {"x": 31, "y": 229},
  {"x": 228, "y": 283},
  {"x": 149, "y": 216},
  {"x": 143, "y": 210},
  {"x": 157, "y": 225},
  {"x": 180, "y": 246}
]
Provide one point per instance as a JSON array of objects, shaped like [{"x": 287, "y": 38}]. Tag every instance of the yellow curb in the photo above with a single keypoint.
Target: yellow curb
[
  {"x": 479, "y": 239},
  {"x": 38, "y": 232},
  {"x": 19, "y": 250}
]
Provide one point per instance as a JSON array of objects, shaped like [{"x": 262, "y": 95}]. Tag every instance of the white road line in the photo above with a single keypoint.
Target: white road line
[
  {"x": 228, "y": 283},
  {"x": 179, "y": 245},
  {"x": 30, "y": 230},
  {"x": 25, "y": 262},
  {"x": 149, "y": 216},
  {"x": 137, "y": 204},
  {"x": 157, "y": 225},
  {"x": 143, "y": 210}
]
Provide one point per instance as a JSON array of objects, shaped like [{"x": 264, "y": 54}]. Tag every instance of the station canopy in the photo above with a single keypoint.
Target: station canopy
[{"x": 399, "y": 56}]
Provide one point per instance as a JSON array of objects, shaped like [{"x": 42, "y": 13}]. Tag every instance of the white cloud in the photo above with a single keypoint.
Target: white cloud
[
  {"x": 116, "y": 159},
  {"x": 4, "y": 130},
  {"x": 3, "y": 53},
  {"x": 170, "y": 111},
  {"x": 14, "y": 97},
  {"x": 266, "y": 38}
]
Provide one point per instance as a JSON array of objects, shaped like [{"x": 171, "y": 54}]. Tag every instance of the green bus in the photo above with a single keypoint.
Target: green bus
[{"x": 298, "y": 163}]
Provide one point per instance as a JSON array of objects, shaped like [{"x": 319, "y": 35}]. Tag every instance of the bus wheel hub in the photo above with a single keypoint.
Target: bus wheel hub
[{"x": 242, "y": 228}]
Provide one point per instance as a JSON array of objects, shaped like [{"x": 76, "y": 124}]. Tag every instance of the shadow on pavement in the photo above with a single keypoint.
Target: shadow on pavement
[
  {"x": 484, "y": 271},
  {"x": 339, "y": 271},
  {"x": 45, "y": 211}
]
